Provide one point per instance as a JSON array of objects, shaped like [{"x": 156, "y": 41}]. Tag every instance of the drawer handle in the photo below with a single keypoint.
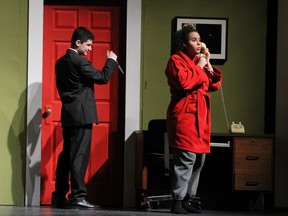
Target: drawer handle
[
  {"x": 252, "y": 157},
  {"x": 252, "y": 183}
]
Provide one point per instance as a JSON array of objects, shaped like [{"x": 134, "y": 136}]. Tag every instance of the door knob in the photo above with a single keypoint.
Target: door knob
[{"x": 46, "y": 113}]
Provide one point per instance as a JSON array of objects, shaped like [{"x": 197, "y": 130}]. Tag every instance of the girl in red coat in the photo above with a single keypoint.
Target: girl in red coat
[{"x": 190, "y": 76}]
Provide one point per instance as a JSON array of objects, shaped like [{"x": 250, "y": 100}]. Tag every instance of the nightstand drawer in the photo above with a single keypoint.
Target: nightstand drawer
[
  {"x": 262, "y": 146},
  {"x": 252, "y": 182},
  {"x": 253, "y": 163},
  {"x": 253, "y": 155}
]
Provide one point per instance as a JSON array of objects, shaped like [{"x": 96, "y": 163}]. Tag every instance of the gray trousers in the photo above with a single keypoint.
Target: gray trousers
[{"x": 187, "y": 168}]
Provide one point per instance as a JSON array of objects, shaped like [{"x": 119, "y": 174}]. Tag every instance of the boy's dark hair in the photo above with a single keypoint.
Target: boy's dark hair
[{"x": 81, "y": 33}]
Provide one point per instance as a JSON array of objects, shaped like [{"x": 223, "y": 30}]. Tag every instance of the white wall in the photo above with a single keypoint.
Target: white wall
[
  {"x": 34, "y": 103},
  {"x": 132, "y": 113}
]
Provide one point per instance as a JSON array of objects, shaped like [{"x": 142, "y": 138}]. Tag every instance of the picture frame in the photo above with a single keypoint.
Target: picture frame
[{"x": 213, "y": 32}]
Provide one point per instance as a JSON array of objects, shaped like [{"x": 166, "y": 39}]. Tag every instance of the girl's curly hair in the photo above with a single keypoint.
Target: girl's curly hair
[{"x": 181, "y": 37}]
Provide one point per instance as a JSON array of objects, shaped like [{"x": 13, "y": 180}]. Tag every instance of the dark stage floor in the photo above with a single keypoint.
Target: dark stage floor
[{"x": 47, "y": 211}]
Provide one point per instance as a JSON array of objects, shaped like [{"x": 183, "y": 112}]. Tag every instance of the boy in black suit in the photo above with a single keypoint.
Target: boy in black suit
[{"x": 75, "y": 79}]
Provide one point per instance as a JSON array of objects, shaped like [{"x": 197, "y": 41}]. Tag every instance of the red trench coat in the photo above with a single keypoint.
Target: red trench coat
[{"x": 188, "y": 114}]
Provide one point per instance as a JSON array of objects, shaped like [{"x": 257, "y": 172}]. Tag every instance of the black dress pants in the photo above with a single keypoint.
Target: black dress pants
[{"x": 73, "y": 162}]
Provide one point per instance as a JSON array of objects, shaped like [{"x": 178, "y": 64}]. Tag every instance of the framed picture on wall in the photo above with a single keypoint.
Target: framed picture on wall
[{"x": 213, "y": 32}]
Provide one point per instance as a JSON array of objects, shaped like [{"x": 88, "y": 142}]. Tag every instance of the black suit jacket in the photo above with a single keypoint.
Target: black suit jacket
[{"x": 75, "y": 78}]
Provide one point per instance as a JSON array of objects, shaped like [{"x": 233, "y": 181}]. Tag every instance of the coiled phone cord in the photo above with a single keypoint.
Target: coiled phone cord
[{"x": 224, "y": 107}]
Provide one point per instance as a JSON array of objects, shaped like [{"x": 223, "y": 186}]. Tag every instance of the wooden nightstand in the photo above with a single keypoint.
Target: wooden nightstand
[{"x": 238, "y": 173}]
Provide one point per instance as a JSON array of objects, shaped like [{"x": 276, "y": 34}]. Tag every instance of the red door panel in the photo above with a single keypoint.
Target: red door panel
[{"x": 105, "y": 171}]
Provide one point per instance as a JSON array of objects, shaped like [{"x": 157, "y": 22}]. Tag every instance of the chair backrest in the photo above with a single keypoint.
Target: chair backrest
[{"x": 155, "y": 136}]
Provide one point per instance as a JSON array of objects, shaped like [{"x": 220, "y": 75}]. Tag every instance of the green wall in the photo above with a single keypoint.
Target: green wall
[
  {"x": 13, "y": 72},
  {"x": 244, "y": 70},
  {"x": 243, "y": 81}
]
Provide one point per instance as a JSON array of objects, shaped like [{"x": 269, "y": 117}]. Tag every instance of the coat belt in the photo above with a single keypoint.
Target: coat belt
[{"x": 202, "y": 102}]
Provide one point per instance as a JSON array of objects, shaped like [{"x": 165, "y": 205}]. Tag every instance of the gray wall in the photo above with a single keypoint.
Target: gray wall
[{"x": 281, "y": 150}]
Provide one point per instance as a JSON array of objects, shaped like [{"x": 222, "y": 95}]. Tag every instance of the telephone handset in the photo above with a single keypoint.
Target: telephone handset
[{"x": 203, "y": 49}]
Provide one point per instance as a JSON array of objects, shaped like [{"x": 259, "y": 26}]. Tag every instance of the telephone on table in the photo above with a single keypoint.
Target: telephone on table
[{"x": 237, "y": 128}]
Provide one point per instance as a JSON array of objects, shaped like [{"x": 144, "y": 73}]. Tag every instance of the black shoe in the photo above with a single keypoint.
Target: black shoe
[
  {"x": 189, "y": 207},
  {"x": 196, "y": 203},
  {"x": 59, "y": 202},
  {"x": 177, "y": 207},
  {"x": 84, "y": 204}
]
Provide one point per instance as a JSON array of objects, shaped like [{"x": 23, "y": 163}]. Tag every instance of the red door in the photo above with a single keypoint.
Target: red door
[{"x": 105, "y": 171}]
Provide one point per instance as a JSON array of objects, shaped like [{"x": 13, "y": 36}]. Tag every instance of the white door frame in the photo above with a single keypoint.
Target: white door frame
[{"x": 34, "y": 86}]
